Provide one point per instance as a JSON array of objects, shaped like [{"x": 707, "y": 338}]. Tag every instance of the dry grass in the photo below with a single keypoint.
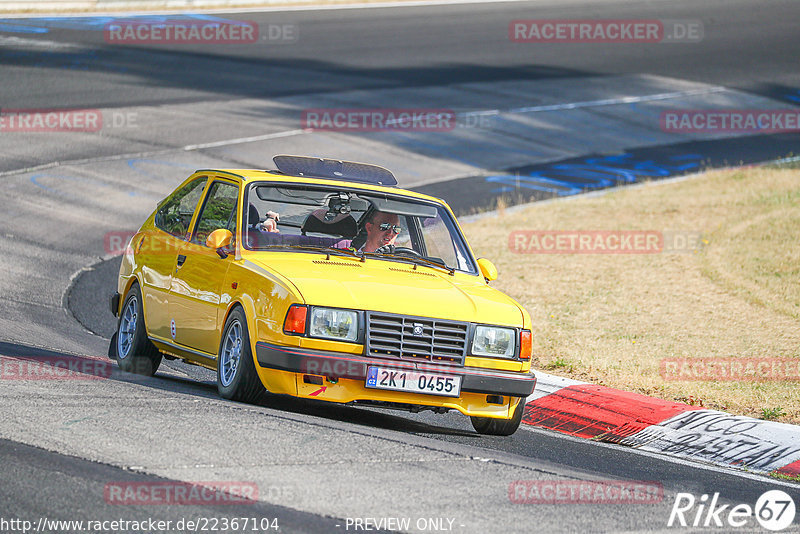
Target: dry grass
[{"x": 611, "y": 319}]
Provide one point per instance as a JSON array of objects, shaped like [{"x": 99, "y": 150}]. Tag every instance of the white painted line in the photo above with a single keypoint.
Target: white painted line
[
  {"x": 547, "y": 384},
  {"x": 603, "y": 102},
  {"x": 150, "y": 153},
  {"x": 243, "y": 140},
  {"x": 38, "y": 43}
]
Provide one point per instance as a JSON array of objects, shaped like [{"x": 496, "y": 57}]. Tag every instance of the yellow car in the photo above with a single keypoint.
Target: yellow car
[{"x": 323, "y": 280}]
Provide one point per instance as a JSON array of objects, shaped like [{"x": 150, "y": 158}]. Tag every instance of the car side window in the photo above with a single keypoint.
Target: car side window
[
  {"x": 175, "y": 215},
  {"x": 219, "y": 211}
]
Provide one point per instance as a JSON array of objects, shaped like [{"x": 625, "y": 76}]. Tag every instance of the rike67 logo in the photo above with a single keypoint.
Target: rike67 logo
[{"x": 774, "y": 510}]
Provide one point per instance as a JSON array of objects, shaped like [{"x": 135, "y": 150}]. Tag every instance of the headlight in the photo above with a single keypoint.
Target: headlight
[
  {"x": 493, "y": 341},
  {"x": 330, "y": 323}
]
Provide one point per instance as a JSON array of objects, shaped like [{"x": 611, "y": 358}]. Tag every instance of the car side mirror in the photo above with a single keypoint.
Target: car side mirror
[
  {"x": 218, "y": 239},
  {"x": 488, "y": 270}
]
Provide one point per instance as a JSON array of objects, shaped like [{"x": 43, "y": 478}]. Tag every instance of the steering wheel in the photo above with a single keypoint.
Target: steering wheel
[{"x": 405, "y": 250}]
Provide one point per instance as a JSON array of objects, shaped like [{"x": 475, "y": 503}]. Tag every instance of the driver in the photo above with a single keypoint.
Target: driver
[{"x": 382, "y": 231}]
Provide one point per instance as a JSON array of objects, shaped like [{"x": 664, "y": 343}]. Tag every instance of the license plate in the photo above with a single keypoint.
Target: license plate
[{"x": 413, "y": 381}]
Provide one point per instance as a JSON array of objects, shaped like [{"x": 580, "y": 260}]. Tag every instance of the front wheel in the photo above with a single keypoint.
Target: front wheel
[
  {"x": 134, "y": 352},
  {"x": 499, "y": 427},
  {"x": 237, "y": 378}
]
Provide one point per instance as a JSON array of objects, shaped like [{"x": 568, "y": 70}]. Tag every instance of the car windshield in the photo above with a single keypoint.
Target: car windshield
[{"x": 391, "y": 227}]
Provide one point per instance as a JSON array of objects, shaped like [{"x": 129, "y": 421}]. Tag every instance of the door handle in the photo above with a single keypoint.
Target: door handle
[{"x": 181, "y": 259}]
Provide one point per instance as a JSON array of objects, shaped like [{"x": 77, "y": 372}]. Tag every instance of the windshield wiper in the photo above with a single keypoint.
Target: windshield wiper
[
  {"x": 422, "y": 260},
  {"x": 321, "y": 250}
]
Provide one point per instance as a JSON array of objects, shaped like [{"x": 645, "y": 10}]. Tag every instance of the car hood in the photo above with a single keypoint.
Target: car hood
[{"x": 393, "y": 287}]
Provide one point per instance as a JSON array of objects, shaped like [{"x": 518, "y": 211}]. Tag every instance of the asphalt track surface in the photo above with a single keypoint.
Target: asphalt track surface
[
  {"x": 66, "y": 441},
  {"x": 748, "y": 46}
]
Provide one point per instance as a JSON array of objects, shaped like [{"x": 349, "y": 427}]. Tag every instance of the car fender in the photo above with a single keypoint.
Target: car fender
[
  {"x": 248, "y": 306},
  {"x": 264, "y": 299}
]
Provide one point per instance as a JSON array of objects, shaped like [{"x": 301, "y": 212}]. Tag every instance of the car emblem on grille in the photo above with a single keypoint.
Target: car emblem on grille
[{"x": 417, "y": 329}]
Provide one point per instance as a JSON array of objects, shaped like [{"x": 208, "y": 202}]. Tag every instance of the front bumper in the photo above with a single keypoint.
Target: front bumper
[{"x": 353, "y": 366}]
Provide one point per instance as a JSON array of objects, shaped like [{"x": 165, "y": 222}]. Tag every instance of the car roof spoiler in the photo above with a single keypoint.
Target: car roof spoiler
[{"x": 334, "y": 169}]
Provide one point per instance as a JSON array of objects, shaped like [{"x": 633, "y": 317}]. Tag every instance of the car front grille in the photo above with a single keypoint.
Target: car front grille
[{"x": 392, "y": 336}]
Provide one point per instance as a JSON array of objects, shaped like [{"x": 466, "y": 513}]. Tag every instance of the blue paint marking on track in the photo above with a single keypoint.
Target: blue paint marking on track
[
  {"x": 18, "y": 28},
  {"x": 793, "y": 97},
  {"x": 99, "y": 23},
  {"x": 593, "y": 173}
]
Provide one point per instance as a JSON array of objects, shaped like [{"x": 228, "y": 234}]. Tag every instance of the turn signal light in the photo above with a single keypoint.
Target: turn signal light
[
  {"x": 525, "y": 345},
  {"x": 295, "y": 322}
]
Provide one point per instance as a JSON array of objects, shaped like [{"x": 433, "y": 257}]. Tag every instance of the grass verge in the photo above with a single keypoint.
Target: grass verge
[{"x": 613, "y": 319}]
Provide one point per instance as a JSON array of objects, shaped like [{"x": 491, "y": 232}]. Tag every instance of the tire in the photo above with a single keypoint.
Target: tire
[
  {"x": 499, "y": 427},
  {"x": 236, "y": 372},
  {"x": 135, "y": 353}
]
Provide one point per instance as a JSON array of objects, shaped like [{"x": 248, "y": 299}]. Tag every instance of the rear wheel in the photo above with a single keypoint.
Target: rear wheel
[
  {"x": 134, "y": 352},
  {"x": 499, "y": 427},
  {"x": 237, "y": 378}
]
